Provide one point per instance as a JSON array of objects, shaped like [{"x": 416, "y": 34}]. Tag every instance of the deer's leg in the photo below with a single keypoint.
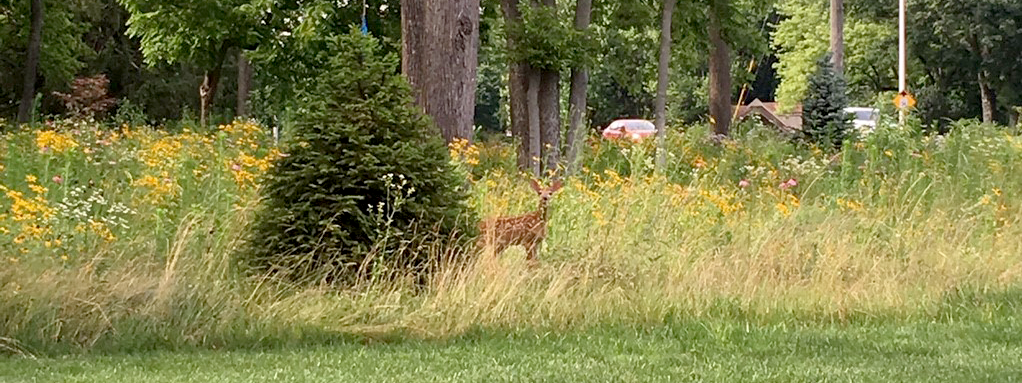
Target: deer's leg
[{"x": 531, "y": 249}]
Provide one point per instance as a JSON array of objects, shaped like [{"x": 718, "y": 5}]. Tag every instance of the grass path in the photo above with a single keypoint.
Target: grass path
[{"x": 976, "y": 351}]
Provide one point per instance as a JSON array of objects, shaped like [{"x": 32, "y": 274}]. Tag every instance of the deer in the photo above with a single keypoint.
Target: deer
[{"x": 527, "y": 230}]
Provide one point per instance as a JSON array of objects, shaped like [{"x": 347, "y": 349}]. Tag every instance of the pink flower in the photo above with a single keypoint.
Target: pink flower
[
  {"x": 57, "y": 179},
  {"x": 236, "y": 167},
  {"x": 743, "y": 184},
  {"x": 792, "y": 182}
]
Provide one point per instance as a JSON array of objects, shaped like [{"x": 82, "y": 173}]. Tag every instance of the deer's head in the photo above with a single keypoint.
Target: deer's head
[{"x": 545, "y": 192}]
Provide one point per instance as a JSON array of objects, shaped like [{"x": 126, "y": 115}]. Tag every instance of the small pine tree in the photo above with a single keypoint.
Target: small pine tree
[
  {"x": 824, "y": 121},
  {"x": 366, "y": 173}
]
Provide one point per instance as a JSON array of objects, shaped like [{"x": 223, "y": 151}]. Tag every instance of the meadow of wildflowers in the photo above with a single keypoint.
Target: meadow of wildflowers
[{"x": 126, "y": 235}]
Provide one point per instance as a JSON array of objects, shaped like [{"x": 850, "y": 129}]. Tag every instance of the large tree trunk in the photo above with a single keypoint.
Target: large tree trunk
[
  {"x": 837, "y": 34},
  {"x": 663, "y": 76},
  {"x": 413, "y": 25},
  {"x": 210, "y": 84},
  {"x": 244, "y": 84},
  {"x": 577, "y": 97},
  {"x": 535, "y": 78},
  {"x": 442, "y": 58},
  {"x": 550, "y": 114},
  {"x": 550, "y": 120},
  {"x": 720, "y": 77},
  {"x": 35, "y": 41},
  {"x": 518, "y": 88},
  {"x": 518, "y": 85},
  {"x": 988, "y": 98}
]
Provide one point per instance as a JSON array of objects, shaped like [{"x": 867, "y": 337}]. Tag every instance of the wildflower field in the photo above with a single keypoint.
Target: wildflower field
[{"x": 125, "y": 238}]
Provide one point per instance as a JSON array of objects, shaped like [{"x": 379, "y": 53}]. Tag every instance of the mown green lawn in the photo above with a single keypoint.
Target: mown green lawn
[{"x": 972, "y": 351}]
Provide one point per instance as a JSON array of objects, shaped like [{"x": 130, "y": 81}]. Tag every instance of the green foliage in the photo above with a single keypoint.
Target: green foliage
[
  {"x": 193, "y": 31},
  {"x": 804, "y": 35},
  {"x": 368, "y": 183},
  {"x": 623, "y": 85},
  {"x": 546, "y": 39},
  {"x": 957, "y": 40},
  {"x": 300, "y": 49},
  {"x": 61, "y": 54},
  {"x": 824, "y": 121}
]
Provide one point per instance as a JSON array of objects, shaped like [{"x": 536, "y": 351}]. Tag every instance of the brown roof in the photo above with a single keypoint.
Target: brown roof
[{"x": 768, "y": 112}]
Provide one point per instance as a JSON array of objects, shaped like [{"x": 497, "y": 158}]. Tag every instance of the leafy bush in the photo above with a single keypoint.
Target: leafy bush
[
  {"x": 368, "y": 184},
  {"x": 88, "y": 97},
  {"x": 824, "y": 120}
]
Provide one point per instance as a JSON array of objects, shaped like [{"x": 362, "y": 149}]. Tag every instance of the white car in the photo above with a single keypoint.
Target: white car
[{"x": 865, "y": 119}]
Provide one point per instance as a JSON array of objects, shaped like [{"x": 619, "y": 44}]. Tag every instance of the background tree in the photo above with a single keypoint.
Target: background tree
[
  {"x": 296, "y": 48},
  {"x": 61, "y": 52},
  {"x": 663, "y": 77},
  {"x": 720, "y": 68},
  {"x": 980, "y": 37},
  {"x": 440, "y": 46},
  {"x": 577, "y": 98},
  {"x": 541, "y": 45},
  {"x": 198, "y": 32},
  {"x": 824, "y": 121},
  {"x": 366, "y": 175},
  {"x": 837, "y": 34},
  {"x": 35, "y": 41},
  {"x": 870, "y": 45}
]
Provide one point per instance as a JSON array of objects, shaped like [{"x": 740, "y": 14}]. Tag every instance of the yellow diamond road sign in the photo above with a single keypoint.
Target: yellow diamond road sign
[{"x": 904, "y": 100}]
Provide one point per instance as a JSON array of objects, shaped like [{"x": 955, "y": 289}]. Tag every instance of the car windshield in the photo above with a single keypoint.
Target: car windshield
[
  {"x": 864, "y": 115},
  {"x": 639, "y": 126}
]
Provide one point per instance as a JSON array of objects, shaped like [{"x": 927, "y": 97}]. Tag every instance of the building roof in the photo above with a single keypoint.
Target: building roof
[{"x": 768, "y": 113}]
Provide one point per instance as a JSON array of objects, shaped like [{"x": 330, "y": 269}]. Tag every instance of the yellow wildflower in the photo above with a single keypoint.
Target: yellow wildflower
[
  {"x": 51, "y": 141},
  {"x": 38, "y": 189}
]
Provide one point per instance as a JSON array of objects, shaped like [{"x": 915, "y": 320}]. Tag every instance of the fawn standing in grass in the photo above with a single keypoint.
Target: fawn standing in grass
[{"x": 527, "y": 230}]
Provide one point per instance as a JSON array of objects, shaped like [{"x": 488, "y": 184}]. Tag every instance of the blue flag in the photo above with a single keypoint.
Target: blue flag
[{"x": 365, "y": 26}]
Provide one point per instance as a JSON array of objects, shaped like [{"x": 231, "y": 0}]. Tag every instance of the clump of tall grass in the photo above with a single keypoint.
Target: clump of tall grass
[{"x": 756, "y": 229}]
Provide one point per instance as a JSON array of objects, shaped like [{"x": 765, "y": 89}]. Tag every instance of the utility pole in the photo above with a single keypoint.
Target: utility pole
[{"x": 837, "y": 35}]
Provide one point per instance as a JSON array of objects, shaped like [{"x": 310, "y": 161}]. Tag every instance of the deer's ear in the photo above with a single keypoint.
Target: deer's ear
[
  {"x": 556, "y": 186},
  {"x": 535, "y": 186}
]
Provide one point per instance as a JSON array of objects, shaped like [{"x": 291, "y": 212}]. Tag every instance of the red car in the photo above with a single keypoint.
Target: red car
[{"x": 636, "y": 130}]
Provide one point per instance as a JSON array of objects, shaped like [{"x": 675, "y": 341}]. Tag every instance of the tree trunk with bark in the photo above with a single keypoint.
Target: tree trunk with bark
[
  {"x": 518, "y": 86},
  {"x": 720, "y": 77},
  {"x": 413, "y": 23},
  {"x": 244, "y": 85},
  {"x": 210, "y": 84},
  {"x": 535, "y": 78},
  {"x": 837, "y": 35},
  {"x": 35, "y": 42},
  {"x": 577, "y": 97},
  {"x": 663, "y": 76},
  {"x": 550, "y": 120},
  {"x": 442, "y": 58},
  {"x": 988, "y": 98},
  {"x": 550, "y": 114}
]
